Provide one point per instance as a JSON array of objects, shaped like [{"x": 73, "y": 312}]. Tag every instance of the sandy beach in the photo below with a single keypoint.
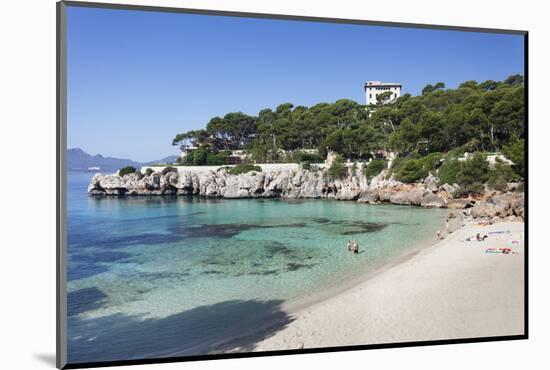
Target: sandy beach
[{"x": 453, "y": 289}]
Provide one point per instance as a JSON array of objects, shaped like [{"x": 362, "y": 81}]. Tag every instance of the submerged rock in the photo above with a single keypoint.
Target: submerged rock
[{"x": 370, "y": 197}]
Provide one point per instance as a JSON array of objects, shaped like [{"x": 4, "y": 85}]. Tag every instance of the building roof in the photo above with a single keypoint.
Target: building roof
[{"x": 381, "y": 84}]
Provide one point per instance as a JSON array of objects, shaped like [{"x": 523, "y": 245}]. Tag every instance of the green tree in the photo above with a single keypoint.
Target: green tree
[
  {"x": 337, "y": 169},
  {"x": 374, "y": 168},
  {"x": 515, "y": 151},
  {"x": 126, "y": 171},
  {"x": 244, "y": 168},
  {"x": 384, "y": 97},
  {"x": 514, "y": 80},
  {"x": 234, "y": 131},
  {"x": 406, "y": 139},
  {"x": 500, "y": 174},
  {"x": 468, "y": 84},
  {"x": 431, "y": 88},
  {"x": 411, "y": 171},
  {"x": 473, "y": 174},
  {"x": 475, "y": 117}
]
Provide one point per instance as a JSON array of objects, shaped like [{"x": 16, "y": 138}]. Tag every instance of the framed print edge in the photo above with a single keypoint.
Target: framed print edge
[
  {"x": 61, "y": 189},
  {"x": 61, "y": 194}
]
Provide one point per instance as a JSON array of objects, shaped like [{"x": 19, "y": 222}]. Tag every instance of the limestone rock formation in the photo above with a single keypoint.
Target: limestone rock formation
[{"x": 307, "y": 183}]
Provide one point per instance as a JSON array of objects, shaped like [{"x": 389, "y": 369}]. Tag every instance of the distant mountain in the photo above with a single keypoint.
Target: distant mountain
[
  {"x": 169, "y": 159},
  {"x": 80, "y": 161}
]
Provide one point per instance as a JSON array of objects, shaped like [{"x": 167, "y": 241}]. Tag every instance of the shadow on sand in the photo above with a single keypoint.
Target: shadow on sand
[{"x": 231, "y": 326}]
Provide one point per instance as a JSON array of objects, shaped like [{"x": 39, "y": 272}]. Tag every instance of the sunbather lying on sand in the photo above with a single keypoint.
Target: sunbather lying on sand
[{"x": 480, "y": 238}]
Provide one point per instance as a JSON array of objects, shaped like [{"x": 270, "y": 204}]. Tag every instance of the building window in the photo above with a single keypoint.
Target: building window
[{"x": 370, "y": 96}]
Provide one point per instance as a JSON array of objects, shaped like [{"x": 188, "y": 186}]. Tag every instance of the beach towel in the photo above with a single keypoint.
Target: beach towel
[{"x": 500, "y": 250}]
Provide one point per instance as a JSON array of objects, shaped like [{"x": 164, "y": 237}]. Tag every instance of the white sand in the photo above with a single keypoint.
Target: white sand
[{"x": 452, "y": 289}]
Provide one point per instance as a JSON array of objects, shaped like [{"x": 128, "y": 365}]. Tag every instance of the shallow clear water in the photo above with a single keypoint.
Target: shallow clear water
[{"x": 164, "y": 276}]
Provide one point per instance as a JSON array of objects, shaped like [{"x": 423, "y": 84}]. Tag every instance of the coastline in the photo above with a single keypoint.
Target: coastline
[
  {"x": 297, "y": 305},
  {"x": 475, "y": 294},
  {"x": 311, "y": 184}
]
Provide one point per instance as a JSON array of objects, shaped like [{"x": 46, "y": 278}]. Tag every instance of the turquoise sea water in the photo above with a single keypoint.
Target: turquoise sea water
[{"x": 169, "y": 276}]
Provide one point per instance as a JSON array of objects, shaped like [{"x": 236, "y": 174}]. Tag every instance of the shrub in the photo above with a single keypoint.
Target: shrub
[
  {"x": 515, "y": 151},
  {"x": 473, "y": 174},
  {"x": 299, "y": 157},
  {"x": 244, "y": 168},
  {"x": 500, "y": 174},
  {"x": 226, "y": 168},
  {"x": 306, "y": 165},
  {"x": 374, "y": 168},
  {"x": 338, "y": 168},
  {"x": 454, "y": 153},
  {"x": 168, "y": 169},
  {"x": 415, "y": 167},
  {"x": 412, "y": 170},
  {"x": 448, "y": 172},
  {"x": 199, "y": 156},
  {"x": 149, "y": 172},
  {"x": 432, "y": 161},
  {"x": 396, "y": 164},
  {"x": 126, "y": 171},
  {"x": 215, "y": 159},
  {"x": 203, "y": 157},
  {"x": 497, "y": 182}
]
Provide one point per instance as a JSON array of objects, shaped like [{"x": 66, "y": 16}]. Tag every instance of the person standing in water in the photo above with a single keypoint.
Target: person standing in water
[
  {"x": 349, "y": 245},
  {"x": 356, "y": 247},
  {"x": 448, "y": 226}
]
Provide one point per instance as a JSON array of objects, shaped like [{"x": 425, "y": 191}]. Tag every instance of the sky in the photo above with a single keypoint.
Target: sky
[{"x": 137, "y": 78}]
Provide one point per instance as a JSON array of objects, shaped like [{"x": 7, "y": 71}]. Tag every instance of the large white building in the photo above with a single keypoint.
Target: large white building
[{"x": 375, "y": 88}]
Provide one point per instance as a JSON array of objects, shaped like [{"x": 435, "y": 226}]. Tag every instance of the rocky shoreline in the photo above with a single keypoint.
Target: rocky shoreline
[{"x": 310, "y": 183}]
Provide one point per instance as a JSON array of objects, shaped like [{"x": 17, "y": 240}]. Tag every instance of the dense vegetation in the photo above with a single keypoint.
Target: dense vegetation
[
  {"x": 244, "y": 168},
  {"x": 374, "y": 167},
  {"x": 168, "y": 169},
  {"x": 126, "y": 170},
  {"x": 206, "y": 155},
  {"x": 428, "y": 132},
  {"x": 338, "y": 168}
]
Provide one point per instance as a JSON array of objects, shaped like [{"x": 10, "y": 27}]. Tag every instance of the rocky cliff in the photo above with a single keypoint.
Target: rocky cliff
[{"x": 303, "y": 183}]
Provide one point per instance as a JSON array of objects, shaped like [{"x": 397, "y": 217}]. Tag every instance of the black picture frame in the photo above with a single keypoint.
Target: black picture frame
[{"x": 61, "y": 201}]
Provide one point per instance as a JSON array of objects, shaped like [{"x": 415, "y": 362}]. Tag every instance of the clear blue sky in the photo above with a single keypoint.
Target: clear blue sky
[{"x": 135, "y": 79}]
